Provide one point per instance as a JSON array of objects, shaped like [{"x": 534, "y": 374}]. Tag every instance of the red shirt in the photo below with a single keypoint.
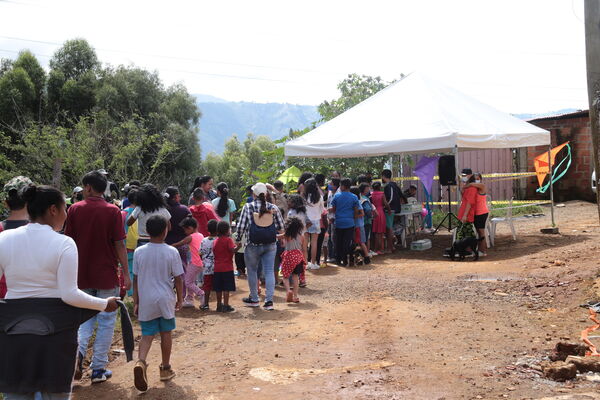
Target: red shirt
[
  {"x": 469, "y": 197},
  {"x": 202, "y": 214},
  {"x": 95, "y": 226},
  {"x": 223, "y": 249}
]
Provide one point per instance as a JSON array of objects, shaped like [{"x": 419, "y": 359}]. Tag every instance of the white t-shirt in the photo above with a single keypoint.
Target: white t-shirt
[
  {"x": 314, "y": 210},
  {"x": 155, "y": 265},
  {"x": 142, "y": 218},
  {"x": 39, "y": 262}
]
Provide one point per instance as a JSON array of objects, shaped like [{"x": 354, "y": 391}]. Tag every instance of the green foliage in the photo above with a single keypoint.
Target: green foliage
[
  {"x": 354, "y": 89},
  {"x": 80, "y": 116}
]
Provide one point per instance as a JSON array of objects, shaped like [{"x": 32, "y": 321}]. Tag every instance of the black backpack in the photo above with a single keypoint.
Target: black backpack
[{"x": 262, "y": 234}]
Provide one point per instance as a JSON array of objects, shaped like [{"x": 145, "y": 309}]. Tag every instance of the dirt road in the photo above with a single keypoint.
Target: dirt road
[{"x": 409, "y": 326}]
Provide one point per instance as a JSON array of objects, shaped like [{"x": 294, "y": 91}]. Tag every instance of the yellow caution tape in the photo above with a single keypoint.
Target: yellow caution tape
[
  {"x": 505, "y": 175},
  {"x": 499, "y": 202}
]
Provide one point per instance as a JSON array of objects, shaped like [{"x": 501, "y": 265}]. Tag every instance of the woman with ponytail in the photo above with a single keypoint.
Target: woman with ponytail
[
  {"x": 41, "y": 269},
  {"x": 260, "y": 221},
  {"x": 223, "y": 205}
]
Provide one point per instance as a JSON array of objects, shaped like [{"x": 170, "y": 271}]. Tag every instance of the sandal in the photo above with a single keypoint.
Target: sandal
[
  {"x": 296, "y": 300},
  {"x": 290, "y": 297}
]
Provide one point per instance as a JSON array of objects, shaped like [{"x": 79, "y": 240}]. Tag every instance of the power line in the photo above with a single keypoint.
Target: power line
[
  {"x": 244, "y": 77},
  {"x": 181, "y": 58}
]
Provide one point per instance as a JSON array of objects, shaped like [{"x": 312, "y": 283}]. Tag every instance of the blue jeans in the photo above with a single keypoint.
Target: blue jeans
[
  {"x": 260, "y": 255},
  {"x": 37, "y": 396},
  {"x": 104, "y": 332}
]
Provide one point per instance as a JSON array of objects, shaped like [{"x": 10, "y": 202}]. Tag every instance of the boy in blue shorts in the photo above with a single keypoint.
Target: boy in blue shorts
[{"x": 156, "y": 265}]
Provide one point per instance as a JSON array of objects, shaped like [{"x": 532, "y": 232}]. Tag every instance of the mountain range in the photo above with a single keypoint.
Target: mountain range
[{"x": 221, "y": 119}]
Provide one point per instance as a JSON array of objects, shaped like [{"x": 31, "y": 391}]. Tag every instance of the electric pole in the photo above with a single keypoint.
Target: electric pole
[{"x": 592, "y": 56}]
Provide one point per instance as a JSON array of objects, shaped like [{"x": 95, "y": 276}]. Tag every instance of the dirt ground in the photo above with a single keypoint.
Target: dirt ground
[{"x": 410, "y": 326}]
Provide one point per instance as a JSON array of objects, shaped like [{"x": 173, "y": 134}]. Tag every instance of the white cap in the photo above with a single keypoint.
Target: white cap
[
  {"x": 77, "y": 189},
  {"x": 259, "y": 188}
]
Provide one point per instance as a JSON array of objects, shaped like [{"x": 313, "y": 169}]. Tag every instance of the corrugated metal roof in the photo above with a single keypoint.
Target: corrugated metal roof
[{"x": 576, "y": 114}]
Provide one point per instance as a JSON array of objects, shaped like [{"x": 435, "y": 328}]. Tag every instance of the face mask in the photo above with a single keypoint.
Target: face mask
[
  {"x": 477, "y": 181},
  {"x": 464, "y": 179}
]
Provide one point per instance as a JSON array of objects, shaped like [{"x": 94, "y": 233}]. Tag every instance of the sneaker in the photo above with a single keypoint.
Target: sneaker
[
  {"x": 204, "y": 307},
  {"x": 101, "y": 375},
  {"x": 188, "y": 304},
  {"x": 227, "y": 308},
  {"x": 140, "y": 379},
  {"x": 372, "y": 253},
  {"x": 79, "y": 367},
  {"x": 268, "y": 305},
  {"x": 166, "y": 373},
  {"x": 248, "y": 302},
  {"x": 312, "y": 266},
  {"x": 482, "y": 254},
  {"x": 367, "y": 260}
]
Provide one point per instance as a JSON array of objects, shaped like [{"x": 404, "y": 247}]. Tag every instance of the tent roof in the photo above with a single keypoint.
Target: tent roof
[{"x": 416, "y": 114}]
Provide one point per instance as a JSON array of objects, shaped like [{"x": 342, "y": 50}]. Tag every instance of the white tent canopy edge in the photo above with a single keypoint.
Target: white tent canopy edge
[{"x": 418, "y": 115}]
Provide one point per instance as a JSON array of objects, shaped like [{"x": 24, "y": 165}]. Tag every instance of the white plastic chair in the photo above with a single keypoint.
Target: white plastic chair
[
  {"x": 488, "y": 223},
  {"x": 508, "y": 220}
]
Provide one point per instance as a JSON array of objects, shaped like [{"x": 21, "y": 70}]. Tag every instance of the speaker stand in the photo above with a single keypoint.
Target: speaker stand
[{"x": 448, "y": 217}]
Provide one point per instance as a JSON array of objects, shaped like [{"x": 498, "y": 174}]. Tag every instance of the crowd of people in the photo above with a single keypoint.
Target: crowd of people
[{"x": 97, "y": 246}]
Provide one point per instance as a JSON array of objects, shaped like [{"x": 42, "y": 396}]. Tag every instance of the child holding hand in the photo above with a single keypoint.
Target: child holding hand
[
  {"x": 208, "y": 259},
  {"x": 224, "y": 279},
  {"x": 292, "y": 259},
  {"x": 193, "y": 239}
]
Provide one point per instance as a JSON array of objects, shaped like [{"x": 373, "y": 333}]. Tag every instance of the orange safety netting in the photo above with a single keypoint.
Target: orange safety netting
[{"x": 541, "y": 162}]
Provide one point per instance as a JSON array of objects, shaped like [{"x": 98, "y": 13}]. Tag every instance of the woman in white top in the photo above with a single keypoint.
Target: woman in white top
[
  {"x": 314, "y": 210},
  {"x": 38, "y": 262},
  {"x": 149, "y": 202}
]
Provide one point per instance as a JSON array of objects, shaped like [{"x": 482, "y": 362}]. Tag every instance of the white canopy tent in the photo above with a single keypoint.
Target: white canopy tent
[{"x": 416, "y": 115}]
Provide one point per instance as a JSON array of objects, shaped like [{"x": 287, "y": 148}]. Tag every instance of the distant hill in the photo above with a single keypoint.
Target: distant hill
[{"x": 221, "y": 119}]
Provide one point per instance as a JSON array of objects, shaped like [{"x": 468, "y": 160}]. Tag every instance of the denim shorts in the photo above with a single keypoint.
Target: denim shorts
[
  {"x": 315, "y": 227},
  {"x": 157, "y": 325}
]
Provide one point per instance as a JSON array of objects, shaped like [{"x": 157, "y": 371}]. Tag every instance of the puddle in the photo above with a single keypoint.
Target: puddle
[
  {"x": 285, "y": 376},
  {"x": 488, "y": 278}
]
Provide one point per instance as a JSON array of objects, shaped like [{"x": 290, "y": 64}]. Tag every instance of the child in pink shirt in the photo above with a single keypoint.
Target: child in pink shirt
[{"x": 195, "y": 267}]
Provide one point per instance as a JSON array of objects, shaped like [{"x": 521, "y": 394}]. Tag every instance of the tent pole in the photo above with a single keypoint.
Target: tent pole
[{"x": 551, "y": 185}]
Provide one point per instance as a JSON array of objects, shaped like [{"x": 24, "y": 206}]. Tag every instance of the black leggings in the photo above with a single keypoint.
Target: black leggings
[
  {"x": 343, "y": 241},
  {"x": 320, "y": 240}
]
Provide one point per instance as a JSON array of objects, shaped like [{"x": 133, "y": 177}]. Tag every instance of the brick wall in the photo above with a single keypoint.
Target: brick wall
[{"x": 576, "y": 184}]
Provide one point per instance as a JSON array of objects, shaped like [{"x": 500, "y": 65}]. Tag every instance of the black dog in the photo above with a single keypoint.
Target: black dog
[{"x": 461, "y": 246}]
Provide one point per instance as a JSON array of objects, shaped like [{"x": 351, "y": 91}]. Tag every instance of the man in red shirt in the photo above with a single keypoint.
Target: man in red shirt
[{"x": 97, "y": 228}]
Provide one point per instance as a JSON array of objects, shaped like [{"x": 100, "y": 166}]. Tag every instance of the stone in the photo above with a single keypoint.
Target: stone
[
  {"x": 564, "y": 349},
  {"x": 585, "y": 364},
  {"x": 559, "y": 371}
]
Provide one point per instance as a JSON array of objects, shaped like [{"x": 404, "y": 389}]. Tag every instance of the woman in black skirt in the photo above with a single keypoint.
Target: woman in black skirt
[{"x": 43, "y": 307}]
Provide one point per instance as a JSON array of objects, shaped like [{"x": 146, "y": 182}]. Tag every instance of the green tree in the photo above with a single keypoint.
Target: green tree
[{"x": 73, "y": 80}]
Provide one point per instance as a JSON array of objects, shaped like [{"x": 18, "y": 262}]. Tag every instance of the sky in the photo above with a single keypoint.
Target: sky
[{"x": 519, "y": 56}]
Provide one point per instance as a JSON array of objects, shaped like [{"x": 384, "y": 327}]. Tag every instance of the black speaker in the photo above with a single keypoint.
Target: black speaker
[{"x": 447, "y": 171}]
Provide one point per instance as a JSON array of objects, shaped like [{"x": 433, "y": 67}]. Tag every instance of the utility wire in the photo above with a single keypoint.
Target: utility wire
[{"x": 180, "y": 58}]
